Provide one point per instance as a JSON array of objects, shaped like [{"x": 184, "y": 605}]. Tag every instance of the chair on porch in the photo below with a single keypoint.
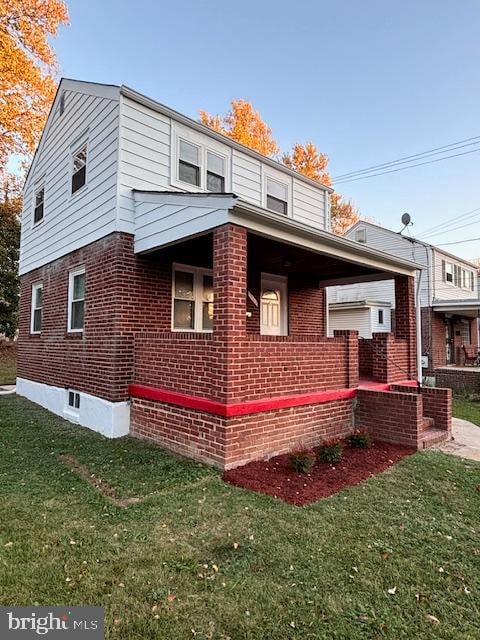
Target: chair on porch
[{"x": 471, "y": 355}]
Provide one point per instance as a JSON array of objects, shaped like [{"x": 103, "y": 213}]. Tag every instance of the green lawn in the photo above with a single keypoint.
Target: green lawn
[
  {"x": 201, "y": 559},
  {"x": 467, "y": 408}
]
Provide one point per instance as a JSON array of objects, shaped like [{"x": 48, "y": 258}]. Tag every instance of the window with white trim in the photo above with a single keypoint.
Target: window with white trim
[
  {"x": 76, "y": 300},
  {"x": 198, "y": 163},
  {"x": 277, "y": 196},
  {"x": 38, "y": 208},
  {"x": 79, "y": 168},
  {"x": 73, "y": 400},
  {"x": 192, "y": 299},
  {"x": 448, "y": 272},
  {"x": 37, "y": 304},
  {"x": 380, "y": 316},
  {"x": 457, "y": 276},
  {"x": 361, "y": 235}
]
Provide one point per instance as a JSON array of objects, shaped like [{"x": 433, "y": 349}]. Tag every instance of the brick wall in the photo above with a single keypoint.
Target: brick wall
[
  {"x": 230, "y": 442},
  {"x": 390, "y": 416},
  {"x": 458, "y": 379},
  {"x": 437, "y": 404}
]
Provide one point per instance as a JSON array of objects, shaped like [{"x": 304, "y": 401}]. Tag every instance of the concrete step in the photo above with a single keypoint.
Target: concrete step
[
  {"x": 432, "y": 436},
  {"x": 428, "y": 423}
]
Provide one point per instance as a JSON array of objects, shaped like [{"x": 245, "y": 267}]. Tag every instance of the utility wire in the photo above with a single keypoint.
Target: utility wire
[
  {"x": 404, "y": 159},
  {"x": 418, "y": 164},
  {"x": 450, "y": 221},
  {"x": 446, "y": 244},
  {"x": 455, "y": 228}
]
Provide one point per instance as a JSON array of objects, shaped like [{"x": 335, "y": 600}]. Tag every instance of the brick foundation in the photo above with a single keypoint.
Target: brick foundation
[{"x": 459, "y": 379}]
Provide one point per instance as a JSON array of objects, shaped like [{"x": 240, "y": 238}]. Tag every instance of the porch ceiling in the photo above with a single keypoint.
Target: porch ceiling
[{"x": 280, "y": 258}]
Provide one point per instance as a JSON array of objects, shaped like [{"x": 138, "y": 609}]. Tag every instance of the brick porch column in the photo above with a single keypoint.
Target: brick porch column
[
  {"x": 351, "y": 343},
  {"x": 405, "y": 319},
  {"x": 230, "y": 306}
]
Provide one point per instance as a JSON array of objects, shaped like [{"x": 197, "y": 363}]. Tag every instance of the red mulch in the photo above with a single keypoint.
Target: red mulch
[{"x": 275, "y": 477}]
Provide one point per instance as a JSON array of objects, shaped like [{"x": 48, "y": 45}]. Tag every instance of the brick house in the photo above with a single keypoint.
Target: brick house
[
  {"x": 173, "y": 287},
  {"x": 448, "y": 297}
]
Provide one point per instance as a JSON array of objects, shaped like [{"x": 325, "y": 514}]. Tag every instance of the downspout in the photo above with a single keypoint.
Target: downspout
[{"x": 418, "y": 314}]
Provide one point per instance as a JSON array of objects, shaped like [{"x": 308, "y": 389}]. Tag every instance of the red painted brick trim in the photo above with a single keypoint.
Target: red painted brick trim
[
  {"x": 239, "y": 408},
  {"x": 247, "y": 408}
]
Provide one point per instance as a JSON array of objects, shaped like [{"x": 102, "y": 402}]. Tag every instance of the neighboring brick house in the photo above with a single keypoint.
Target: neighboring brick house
[
  {"x": 173, "y": 287},
  {"x": 449, "y": 300}
]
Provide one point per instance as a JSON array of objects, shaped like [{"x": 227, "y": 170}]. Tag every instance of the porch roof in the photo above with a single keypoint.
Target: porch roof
[
  {"x": 468, "y": 307},
  {"x": 192, "y": 214}
]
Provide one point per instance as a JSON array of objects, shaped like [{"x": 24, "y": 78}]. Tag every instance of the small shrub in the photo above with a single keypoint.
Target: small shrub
[
  {"x": 360, "y": 440},
  {"x": 302, "y": 461},
  {"x": 331, "y": 451}
]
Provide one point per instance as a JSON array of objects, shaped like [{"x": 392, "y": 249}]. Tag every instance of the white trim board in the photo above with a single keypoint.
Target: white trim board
[{"x": 111, "y": 419}]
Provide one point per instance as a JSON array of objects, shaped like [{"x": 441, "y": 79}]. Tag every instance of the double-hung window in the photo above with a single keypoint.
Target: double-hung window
[
  {"x": 277, "y": 196},
  {"x": 76, "y": 300},
  {"x": 37, "y": 304},
  {"x": 39, "y": 204},
  {"x": 192, "y": 304},
  {"x": 448, "y": 272},
  {"x": 199, "y": 162},
  {"x": 79, "y": 168}
]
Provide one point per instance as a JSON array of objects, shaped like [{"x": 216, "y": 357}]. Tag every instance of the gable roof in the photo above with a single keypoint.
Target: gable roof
[{"x": 412, "y": 239}]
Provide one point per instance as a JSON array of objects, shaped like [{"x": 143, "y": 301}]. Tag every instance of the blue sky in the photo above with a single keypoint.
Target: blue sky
[{"x": 368, "y": 82}]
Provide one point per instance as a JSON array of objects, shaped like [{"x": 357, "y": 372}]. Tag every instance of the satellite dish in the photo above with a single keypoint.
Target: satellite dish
[{"x": 406, "y": 219}]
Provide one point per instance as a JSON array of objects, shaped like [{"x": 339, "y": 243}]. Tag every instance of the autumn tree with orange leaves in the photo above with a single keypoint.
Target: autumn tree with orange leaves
[
  {"x": 28, "y": 70},
  {"x": 245, "y": 125}
]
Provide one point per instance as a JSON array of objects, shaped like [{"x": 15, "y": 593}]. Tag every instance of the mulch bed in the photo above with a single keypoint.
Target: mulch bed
[{"x": 275, "y": 477}]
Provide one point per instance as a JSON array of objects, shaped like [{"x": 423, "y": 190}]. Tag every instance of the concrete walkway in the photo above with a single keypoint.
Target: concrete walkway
[
  {"x": 6, "y": 389},
  {"x": 466, "y": 440}
]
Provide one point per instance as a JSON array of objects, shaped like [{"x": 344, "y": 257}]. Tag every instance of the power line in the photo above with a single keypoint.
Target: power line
[
  {"x": 454, "y": 228},
  {"x": 450, "y": 221},
  {"x": 418, "y": 164},
  {"x": 446, "y": 244},
  {"x": 404, "y": 159}
]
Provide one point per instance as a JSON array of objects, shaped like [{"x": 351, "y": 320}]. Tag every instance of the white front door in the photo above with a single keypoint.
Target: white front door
[{"x": 273, "y": 306}]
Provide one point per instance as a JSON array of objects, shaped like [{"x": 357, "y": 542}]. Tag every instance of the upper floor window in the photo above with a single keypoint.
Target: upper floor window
[
  {"x": 277, "y": 196},
  {"x": 448, "y": 271},
  {"x": 76, "y": 300},
  {"x": 192, "y": 299},
  {"x": 39, "y": 202},
  {"x": 454, "y": 274},
  {"x": 189, "y": 163},
  {"x": 79, "y": 168},
  {"x": 380, "y": 316},
  {"x": 37, "y": 303},
  {"x": 215, "y": 172}
]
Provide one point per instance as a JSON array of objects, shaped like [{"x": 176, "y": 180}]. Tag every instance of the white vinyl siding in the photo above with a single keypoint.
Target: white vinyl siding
[
  {"x": 462, "y": 286},
  {"x": 376, "y": 325},
  {"x": 71, "y": 222},
  {"x": 353, "y": 319}
]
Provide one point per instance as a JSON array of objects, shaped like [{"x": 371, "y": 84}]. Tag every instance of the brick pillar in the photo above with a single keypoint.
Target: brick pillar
[
  {"x": 230, "y": 294},
  {"x": 381, "y": 356},
  {"x": 405, "y": 319},
  {"x": 351, "y": 340}
]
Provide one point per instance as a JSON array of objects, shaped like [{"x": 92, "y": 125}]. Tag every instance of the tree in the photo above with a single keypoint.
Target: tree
[
  {"x": 27, "y": 71},
  {"x": 245, "y": 125},
  {"x": 10, "y": 208}
]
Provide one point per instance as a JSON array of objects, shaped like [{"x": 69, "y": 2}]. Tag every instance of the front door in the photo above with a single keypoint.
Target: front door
[
  {"x": 449, "y": 339},
  {"x": 273, "y": 306}
]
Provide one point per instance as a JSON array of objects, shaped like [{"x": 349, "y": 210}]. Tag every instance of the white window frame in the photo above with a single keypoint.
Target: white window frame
[
  {"x": 452, "y": 281},
  {"x": 198, "y": 273},
  {"x": 71, "y": 275},
  {"x": 75, "y": 148},
  {"x": 361, "y": 235},
  {"x": 382, "y": 322},
  {"x": 35, "y": 287},
  {"x": 38, "y": 187},
  {"x": 280, "y": 179},
  {"x": 204, "y": 145}
]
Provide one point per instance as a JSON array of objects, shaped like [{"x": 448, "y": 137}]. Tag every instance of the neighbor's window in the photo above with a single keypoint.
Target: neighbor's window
[
  {"x": 37, "y": 302},
  {"x": 361, "y": 235},
  {"x": 76, "y": 300},
  {"x": 448, "y": 272},
  {"x": 215, "y": 172},
  {"x": 277, "y": 196},
  {"x": 192, "y": 299},
  {"x": 38, "y": 209},
  {"x": 380, "y": 316},
  {"x": 79, "y": 169},
  {"x": 189, "y": 163}
]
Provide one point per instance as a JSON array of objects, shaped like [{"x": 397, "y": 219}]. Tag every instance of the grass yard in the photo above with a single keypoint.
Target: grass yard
[
  {"x": 201, "y": 559},
  {"x": 467, "y": 408}
]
